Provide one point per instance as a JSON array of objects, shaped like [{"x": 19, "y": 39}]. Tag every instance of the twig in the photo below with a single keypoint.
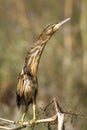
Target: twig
[
  {"x": 48, "y": 104},
  {"x": 6, "y": 120},
  {"x": 27, "y": 124},
  {"x": 3, "y": 127},
  {"x": 60, "y": 121},
  {"x": 58, "y": 116},
  {"x": 75, "y": 114},
  {"x": 56, "y": 107}
]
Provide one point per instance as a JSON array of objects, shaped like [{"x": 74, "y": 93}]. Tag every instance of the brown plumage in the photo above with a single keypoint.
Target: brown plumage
[{"x": 27, "y": 87}]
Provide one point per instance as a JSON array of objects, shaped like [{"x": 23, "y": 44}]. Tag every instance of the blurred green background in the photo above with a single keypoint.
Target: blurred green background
[{"x": 63, "y": 65}]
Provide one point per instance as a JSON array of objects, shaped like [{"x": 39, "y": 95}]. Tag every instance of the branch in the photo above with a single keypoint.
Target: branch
[
  {"x": 27, "y": 124},
  {"x": 55, "y": 117},
  {"x": 60, "y": 121},
  {"x": 58, "y": 116},
  {"x": 6, "y": 120}
]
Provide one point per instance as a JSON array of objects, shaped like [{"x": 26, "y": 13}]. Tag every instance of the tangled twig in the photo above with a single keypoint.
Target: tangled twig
[{"x": 58, "y": 116}]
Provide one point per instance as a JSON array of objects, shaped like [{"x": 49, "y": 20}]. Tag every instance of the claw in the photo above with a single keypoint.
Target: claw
[
  {"x": 32, "y": 122},
  {"x": 18, "y": 122}
]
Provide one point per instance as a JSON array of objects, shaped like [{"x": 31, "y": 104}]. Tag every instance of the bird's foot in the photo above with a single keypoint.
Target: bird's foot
[
  {"x": 19, "y": 122},
  {"x": 32, "y": 122}
]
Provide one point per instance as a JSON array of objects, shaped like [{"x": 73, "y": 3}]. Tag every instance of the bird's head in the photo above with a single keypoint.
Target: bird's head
[{"x": 51, "y": 29}]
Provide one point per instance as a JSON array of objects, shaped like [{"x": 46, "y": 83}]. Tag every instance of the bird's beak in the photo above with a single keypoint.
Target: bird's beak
[{"x": 58, "y": 25}]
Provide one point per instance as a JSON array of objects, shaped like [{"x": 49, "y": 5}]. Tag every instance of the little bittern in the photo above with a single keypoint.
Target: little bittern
[{"x": 27, "y": 87}]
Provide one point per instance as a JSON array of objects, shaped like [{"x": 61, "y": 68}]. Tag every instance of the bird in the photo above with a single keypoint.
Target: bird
[{"x": 27, "y": 86}]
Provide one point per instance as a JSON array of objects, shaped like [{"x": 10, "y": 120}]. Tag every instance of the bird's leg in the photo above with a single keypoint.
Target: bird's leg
[
  {"x": 34, "y": 113},
  {"x": 34, "y": 110},
  {"x": 24, "y": 114},
  {"x": 22, "y": 118}
]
